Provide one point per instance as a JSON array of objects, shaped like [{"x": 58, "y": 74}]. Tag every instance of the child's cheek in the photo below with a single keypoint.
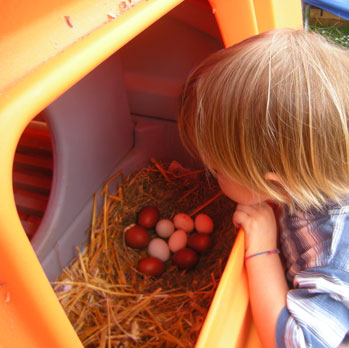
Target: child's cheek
[{"x": 238, "y": 193}]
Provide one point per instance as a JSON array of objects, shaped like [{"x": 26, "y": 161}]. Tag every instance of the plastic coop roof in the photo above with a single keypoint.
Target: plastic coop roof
[{"x": 338, "y": 7}]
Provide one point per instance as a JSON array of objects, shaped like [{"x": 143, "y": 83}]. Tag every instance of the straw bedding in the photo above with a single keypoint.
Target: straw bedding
[{"x": 111, "y": 304}]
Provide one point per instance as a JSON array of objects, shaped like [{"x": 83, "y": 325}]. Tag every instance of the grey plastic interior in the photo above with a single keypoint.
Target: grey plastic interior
[{"x": 117, "y": 117}]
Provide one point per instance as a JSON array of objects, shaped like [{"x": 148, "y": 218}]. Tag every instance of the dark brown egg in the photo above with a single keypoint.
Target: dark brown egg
[
  {"x": 148, "y": 216},
  {"x": 200, "y": 242},
  {"x": 185, "y": 258},
  {"x": 151, "y": 266},
  {"x": 137, "y": 237}
]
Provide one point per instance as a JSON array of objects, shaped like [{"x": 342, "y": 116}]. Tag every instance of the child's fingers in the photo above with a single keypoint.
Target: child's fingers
[
  {"x": 239, "y": 217},
  {"x": 252, "y": 210},
  {"x": 247, "y": 209}
]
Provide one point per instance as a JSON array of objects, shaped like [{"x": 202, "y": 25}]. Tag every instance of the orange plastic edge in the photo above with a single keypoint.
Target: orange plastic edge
[
  {"x": 239, "y": 20},
  {"x": 228, "y": 322}
]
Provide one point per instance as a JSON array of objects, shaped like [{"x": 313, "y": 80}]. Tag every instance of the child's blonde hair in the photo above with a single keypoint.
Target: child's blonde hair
[{"x": 277, "y": 102}]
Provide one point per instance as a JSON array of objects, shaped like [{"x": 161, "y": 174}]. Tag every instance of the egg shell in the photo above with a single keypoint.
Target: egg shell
[
  {"x": 159, "y": 248},
  {"x": 148, "y": 216},
  {"x": 203, "y": 223},
  {"x": 137, "y": 237},
  {"x": 178, "y": 240},
  {"x": 183, "y": 222},
  {"x": 164, "y": 228},
  {"x": 200, "y": 242},
  {"x": 151, "y": 266},
  {"x": 185, "y": 258}
]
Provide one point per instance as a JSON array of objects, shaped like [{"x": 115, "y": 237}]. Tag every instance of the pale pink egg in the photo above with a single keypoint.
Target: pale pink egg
[
  {"x": 203, "y": 223},
  {"x": 177, "y": 241},
  {"x": 183, "y": 222},
  {"x": 164, "y": 228},
  {"x": 158, "y": 248}
]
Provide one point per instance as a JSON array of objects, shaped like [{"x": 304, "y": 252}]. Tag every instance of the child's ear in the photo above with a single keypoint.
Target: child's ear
[
  {"x": 273, "y": 177},
  {"x": 277, "y": 182}
]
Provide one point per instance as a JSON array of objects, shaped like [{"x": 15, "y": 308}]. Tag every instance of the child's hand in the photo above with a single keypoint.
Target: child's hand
[{"x": 259, "y": 224}]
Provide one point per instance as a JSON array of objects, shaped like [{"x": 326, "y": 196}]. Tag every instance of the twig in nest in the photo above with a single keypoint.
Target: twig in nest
[
  {"x": 161, "y": 170},
  {"x": 206, "y": 204}
]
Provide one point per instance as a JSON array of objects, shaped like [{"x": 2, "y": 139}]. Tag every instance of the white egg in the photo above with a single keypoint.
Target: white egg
[
  {"x": 159, "y": 248},
  {"x": 178, "y": 240},
  {"x": 203, "y": 223},
  {"x": 164, "y": 228},
  {"x": 183, "y": 222}
]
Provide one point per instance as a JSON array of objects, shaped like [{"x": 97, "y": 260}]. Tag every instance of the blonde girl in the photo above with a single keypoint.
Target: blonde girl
[{"x": 269, "y": 118}]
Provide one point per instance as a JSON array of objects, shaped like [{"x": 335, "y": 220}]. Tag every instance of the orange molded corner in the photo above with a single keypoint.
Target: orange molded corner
[{"x": 239, "y": 20}]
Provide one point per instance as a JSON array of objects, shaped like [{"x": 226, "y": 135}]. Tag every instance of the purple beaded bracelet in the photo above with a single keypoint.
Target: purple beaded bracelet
[{"x": 269, "y": 252}]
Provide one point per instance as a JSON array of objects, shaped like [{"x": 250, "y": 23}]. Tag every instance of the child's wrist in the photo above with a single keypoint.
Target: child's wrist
[
  {"x": 251, "y": 250},
  {"x": 260, "y": 253},
  {"x": 258, "y": 242}
]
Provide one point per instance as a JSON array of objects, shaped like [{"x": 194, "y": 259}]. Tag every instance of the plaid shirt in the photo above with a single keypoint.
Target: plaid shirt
[{"x": 316, "y": 248}]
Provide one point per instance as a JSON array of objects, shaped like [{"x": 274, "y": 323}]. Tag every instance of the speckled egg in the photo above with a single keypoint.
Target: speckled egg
[
  {"x": 178, "y": 240},
  {"x": 203, "y": 223},
  {"x": 183, "y": 222}
]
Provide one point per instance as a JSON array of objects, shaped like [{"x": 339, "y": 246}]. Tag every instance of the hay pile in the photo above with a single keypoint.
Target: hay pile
[{"x": 111, "y": 304}]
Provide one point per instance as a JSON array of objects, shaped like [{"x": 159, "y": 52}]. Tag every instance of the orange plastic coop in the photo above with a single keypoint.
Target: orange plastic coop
[{"x": 105, "y": 75}]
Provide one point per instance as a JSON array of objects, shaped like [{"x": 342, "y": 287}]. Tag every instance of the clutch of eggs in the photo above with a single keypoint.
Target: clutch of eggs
[{"x": 174, "y": 236}]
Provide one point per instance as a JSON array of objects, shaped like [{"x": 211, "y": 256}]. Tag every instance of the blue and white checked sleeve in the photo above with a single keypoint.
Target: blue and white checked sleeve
[
  {"x": 316, "y": 247},
  {"x": 317, "y": 313}
]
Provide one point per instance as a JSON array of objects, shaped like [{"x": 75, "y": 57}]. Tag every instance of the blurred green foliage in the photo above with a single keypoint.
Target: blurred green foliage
[{"x": 336, "y": 34}]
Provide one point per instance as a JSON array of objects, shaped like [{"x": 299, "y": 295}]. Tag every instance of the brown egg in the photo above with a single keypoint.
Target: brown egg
[
  {"x": 148, "y": 216},
  {"x": 151, "y": 266},
  {"x": 185, "y": 258},
  {"x": 137, "y": 237},
  {"x": 200, "y": 242}
]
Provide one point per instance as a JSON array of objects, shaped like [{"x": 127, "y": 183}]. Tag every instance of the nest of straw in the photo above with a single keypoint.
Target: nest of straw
[{"x": 111, "y": 304}]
